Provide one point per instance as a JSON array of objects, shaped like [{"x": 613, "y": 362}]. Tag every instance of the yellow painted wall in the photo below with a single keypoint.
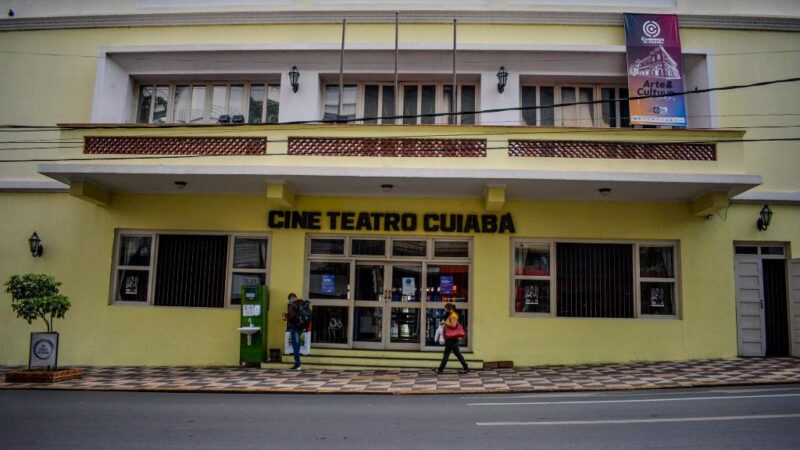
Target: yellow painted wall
[
  {"x": 78, "y": 240},
  {"x": 49, "y": 75}
]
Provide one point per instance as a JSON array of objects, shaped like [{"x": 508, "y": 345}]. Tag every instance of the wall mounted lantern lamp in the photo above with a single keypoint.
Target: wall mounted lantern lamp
[
  {"x": 294, "y": 75},
  {"x": 502, "y": 77},
  {"x": 35, "y": 244},
  {"x": 764, "y": 218}
]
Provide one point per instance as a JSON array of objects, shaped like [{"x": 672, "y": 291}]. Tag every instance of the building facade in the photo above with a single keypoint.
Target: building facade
[{"x": 169, "y": 152}]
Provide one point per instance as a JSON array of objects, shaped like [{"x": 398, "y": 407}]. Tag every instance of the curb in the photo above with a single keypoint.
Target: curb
[{"x": 50, "y": 387}]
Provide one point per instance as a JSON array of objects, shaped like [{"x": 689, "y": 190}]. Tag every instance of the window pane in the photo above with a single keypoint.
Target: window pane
[
  {"x": 624, "y": 113},
  {"x": 388, "y": 104},
  {"x": 368, "y": 247},
  {"x": 182, "y": 104},
  {"x": 409, "y": 248},
  {"x": 329, "y": 324},
  {"x": 198, "y": 104},
  {"x": 594, "y": 280},
  {"x": 746, "y": 250},
  {"x": 468, "y": 104},
  {"x": 448, "y": 283},
  {"x": 135, "y": 250},
  {"x": 369, "y": 282},
  {"x": 145, "y": 98},
  {"x": 658, "y": 298},
  {"x": 218, "y": 102},
  {"x": 532, "y": 296},
  {"x": 410, "y": 104},
  {"x": 656, "y": 262},
  {"x": 586, "y": 111},
  {"x": 273, "y": 103},
  {"x": 329, "y": 280},
  {"x": 371, "y": 103},
  {"x": 244, "y": 279},
  {"x": 529, "y": 100},
  {"x": 331, "y": 102},
  {"x": 406, "y": 283},
  {"x": 250, "y": 253},
  {"x": 160, "y": 107},
  {"x": 609, "y": 107},
  {"x": 405, "y": 325},
  {"x": 447, "y": 103},
  {"x": 236, "y": 100},
  {"x": 256, "y": 109},
  {"x": 532, "y": 259},
  {"x": 569, "y": 114},
  {"x": 547, "y": 115},
  {"x": 434, "y": 316},
  {"x": 349, "y": 102},
  {"x": 451, "y": 249},
  {"x": 327, "y": 247},
  {"x": 772, "y": 250},
  {"x": 368, "y": 326},
  {"x": 428, "y": 104},
  {"x": 191, "y": 271},
  {"x": 132, "y": 285}
]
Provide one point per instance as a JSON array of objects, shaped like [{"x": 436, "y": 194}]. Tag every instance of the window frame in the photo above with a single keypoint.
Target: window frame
[
  {"x": 388, "y": 259},
  {"x": 558, "y": 116},
  {"x": 152, "y": 268},
  {"x": 398, "y": 100},
  {"x": 209, "y": 93},
  {"x": 637, "y": 279}
]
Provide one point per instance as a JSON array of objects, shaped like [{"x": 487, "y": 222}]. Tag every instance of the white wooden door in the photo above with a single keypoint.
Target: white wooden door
[
  {"x": 794, "y": 305},
  {"x": 750, "y": 307}
]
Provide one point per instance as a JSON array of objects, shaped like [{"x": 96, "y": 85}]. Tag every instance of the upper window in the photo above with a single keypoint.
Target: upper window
[
  {"x": 191, "y": 270},
  {"x": 416, "y": 104},
  {"x": 243, "y": 102},
  {"x": 610, "y": 280},
  {"x": 612, "y": 112}
]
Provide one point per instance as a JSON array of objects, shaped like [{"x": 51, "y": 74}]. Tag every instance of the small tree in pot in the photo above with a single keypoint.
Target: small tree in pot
[{"x": 36, "y": 296}]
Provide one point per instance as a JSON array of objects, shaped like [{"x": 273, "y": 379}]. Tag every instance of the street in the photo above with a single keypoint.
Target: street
[{"x": 730, "y": 418}]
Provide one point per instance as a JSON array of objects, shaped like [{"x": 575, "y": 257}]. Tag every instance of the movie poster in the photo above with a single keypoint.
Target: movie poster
[{"x": 655, "y": 68}]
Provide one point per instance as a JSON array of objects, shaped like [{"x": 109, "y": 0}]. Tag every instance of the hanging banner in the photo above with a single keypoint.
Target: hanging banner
[{"x": 655, "y": 68}]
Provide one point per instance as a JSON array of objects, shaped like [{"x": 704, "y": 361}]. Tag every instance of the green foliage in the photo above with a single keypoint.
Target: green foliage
[{"x": 36, "y": 295}]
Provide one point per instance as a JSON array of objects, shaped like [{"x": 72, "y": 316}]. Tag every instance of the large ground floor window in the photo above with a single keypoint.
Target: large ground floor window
[
  {"x": 385, "y": 292},
  {"x": 594, "y": 279},
  {"x": 204, "y": 270}
]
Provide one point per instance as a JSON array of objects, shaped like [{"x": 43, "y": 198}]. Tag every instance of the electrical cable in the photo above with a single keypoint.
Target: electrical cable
[{"x": 453, "y": 113}]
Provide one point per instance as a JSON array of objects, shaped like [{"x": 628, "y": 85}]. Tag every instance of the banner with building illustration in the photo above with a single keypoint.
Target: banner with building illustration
[{"x": 654, "y": 68}]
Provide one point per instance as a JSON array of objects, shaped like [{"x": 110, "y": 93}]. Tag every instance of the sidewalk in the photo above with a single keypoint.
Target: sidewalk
[{"x": 730, "y": 372}]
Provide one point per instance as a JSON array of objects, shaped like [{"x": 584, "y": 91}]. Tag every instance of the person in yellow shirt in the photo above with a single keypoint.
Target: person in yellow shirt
[{"x": 452, "y": 342}]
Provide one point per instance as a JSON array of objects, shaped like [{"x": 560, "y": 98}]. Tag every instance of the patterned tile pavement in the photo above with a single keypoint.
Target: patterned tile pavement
[{"x": 648, "y": 375}]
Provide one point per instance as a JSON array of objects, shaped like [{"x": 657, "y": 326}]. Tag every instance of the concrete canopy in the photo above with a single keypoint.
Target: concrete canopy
[{"x": 332, "y": 181}]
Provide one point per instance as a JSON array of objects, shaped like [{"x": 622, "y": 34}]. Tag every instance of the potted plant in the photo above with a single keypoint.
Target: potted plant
[{"x": 36, "y": 296}]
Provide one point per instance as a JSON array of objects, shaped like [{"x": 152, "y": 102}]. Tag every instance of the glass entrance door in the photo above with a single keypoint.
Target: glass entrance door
[{"x": 386, "y": 305}]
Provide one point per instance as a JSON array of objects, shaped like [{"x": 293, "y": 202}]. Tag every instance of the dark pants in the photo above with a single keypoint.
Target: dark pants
[
  {"x": 295, "y": 338},
  {"x": 454, "y": 346}
]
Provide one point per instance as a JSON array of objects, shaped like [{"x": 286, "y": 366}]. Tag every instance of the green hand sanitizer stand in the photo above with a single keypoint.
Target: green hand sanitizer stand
[{"x": 253, "y": 325}]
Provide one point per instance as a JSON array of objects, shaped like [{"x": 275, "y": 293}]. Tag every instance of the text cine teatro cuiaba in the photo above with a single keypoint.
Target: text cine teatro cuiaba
[{"x": 385, "y": 221}]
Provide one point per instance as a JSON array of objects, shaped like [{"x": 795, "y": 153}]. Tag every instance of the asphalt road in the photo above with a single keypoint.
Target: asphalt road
[{"x": 729, "y": 418}]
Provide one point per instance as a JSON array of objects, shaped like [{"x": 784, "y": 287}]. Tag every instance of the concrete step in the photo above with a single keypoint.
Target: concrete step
[{"x": 363, "y": 359}]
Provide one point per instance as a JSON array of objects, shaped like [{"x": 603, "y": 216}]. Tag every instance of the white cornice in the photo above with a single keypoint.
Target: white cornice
[
  {"x": 788, "y": 197},
  {"x": 478, "y": 16}
]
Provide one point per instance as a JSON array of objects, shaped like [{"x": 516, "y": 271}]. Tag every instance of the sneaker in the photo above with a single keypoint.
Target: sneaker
[
  {"x": 437, "y": 371},
  {"x": 465, "y": 371},
  {"x": 295, "y": 368}
]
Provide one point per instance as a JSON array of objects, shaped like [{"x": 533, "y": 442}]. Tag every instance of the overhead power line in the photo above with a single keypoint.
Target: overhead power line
[{"x": 456, "y": 113}]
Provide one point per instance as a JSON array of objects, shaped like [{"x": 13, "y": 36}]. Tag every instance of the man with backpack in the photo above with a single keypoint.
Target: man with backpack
[{"x": 298, "y": 318}]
